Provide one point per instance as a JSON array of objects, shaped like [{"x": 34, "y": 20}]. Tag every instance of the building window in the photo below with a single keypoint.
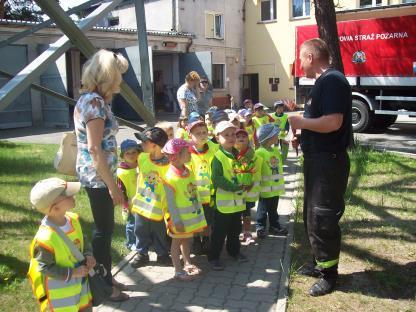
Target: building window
[
  {"x": 113, "y": 21},
  {"x": 218, "y": 76},
  {"x": 214, "y": 25},
  {"x": 301, "y": 8},
  {"x": 268, "y": 10},
  {"x": 369, "y": 3}
]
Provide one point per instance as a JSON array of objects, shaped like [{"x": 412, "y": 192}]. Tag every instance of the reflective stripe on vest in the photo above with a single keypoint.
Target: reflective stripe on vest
[
  {"x": 201, "y": 166},
  {"x": 327, "y": 264},
  {"x": 53, "y": 294},
  {"x": 148, "y": 201},
  {"x": 228, "y": 202},
  {"x": 129, "y": 179},
  {"x": 254, "y": 193},
  {"x": 186, "y": 208},
  {"x": 272, "y": 183}
]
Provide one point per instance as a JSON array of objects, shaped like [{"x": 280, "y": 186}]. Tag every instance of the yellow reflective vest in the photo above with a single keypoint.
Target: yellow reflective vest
[
  {"x": 254, "y": 193},
  {"x": 149, "y": 199},
  {"x": 228, "y": 202},
  {"x": 251, "y": 132},
  {"x": 260, "y": 121},
  {"x": 54, "y": 294},
  {"x": 129, "y": 179},
  {"x": 185, "y": 206},
  {"x": 272, "y": 181},
  {"x": 181, "y": 133},
  {"x": 280, "y": 122},
  {"x": 201, "y": 166}
]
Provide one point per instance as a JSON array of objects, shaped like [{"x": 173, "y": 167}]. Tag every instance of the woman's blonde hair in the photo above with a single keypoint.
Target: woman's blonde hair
[
  {"x": 99, "y": 73},
  {"x": 192, "y": 76}
]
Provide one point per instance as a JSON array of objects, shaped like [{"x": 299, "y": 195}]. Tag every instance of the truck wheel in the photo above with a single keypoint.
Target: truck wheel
[
  {"x": 384, "y": 121},
  {"x": 362, "y": 117}
]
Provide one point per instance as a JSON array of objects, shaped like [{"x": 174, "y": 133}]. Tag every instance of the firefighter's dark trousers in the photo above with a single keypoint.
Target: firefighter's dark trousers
[{"x": 326, "y": 177}]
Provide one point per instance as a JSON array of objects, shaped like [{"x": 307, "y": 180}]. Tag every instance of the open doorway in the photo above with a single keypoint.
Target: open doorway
[{"x": 251, "y": 87}]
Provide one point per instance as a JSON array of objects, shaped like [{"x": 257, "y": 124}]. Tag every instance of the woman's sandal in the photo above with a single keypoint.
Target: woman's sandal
[
  {"x": 119, "y": 286},
  {"x": 120, "y": 297},
  {"x": 192, "y": 269},
  {"x": 183, "y": 276}
]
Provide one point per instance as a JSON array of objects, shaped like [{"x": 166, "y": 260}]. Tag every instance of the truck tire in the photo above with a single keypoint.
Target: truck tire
[
  {"x": 362, "y": 117},
  {"x": 384, "y": 121}
]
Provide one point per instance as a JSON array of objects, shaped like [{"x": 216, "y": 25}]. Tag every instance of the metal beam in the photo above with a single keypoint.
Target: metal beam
[
  {"x": 24, "y": 78},
  {"x": 70, "y": 101},
  {"x": 44, "y": 24},
  {"x": 145, "y": 77},
  {"x": 78, "y": 38}
]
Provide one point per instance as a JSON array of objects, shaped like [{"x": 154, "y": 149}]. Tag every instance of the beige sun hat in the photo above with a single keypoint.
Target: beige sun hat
[{"x": 45, "y": 192}]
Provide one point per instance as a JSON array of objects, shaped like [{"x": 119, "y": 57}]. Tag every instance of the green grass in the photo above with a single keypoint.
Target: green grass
[
  {"x": 21, "y": 166},
  {"x": 378, "y": 253}
]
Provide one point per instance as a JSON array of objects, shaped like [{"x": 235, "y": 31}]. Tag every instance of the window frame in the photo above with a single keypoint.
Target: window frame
[
  {"x": 273, "y": 8},
  {"x": 223, "y": 76},
  {"x": 303, "y": 10},
  {"x": 214, "y": 31},
  {"x": 372, "y": 5}
]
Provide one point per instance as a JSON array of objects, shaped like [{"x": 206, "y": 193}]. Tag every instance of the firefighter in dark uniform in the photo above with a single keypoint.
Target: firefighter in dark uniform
[{"x": 325, "y": 136}]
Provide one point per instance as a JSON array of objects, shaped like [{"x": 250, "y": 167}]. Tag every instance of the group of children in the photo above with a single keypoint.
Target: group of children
[
  {"x": 199, "y": 188},
  {"x": 200, "y": 185}
]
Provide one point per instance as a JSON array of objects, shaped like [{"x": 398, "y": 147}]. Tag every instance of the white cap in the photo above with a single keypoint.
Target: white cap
[
  {"x": 222, "y": 126},
  {"x": 45, "y": 192}
]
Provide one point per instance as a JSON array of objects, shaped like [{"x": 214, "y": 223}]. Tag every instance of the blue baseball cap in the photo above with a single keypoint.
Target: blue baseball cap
[
  {"x": 218, "y": 116},
  {"x": 266, "y": 132},
  {"x": 129, "y": 144}
]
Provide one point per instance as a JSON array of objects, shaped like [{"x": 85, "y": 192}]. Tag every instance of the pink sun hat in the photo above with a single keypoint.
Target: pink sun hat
[{"x": 174, "y": 146}]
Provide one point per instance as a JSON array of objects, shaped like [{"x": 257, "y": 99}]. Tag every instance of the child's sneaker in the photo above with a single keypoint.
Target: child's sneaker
[
  {"x": 248, "y": 239},
  {"x": 216, "y": 265},
  {"x": 279, "y": 231},
  {"x": 261, "y": 234},
  {"x": 140, "y": 260},
  {"x": 240, "y": 258}
]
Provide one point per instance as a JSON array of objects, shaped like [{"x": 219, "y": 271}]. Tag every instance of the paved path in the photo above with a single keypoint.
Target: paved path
[{"x": 253, "y": 286}]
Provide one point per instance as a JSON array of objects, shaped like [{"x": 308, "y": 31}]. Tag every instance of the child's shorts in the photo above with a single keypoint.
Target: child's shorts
[{"x": 247, "y": 212}]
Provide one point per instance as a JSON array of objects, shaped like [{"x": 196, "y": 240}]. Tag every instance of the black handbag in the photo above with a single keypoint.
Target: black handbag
[{"x": 99, "y": 287}]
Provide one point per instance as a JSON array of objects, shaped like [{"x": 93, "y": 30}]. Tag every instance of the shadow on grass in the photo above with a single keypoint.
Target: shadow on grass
[{"x": 392, "y": 279}]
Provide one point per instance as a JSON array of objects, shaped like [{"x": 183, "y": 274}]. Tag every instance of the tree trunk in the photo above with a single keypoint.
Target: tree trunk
[
  {"x": 2, "y": 8},
  {"x": 328, "y": 31}
]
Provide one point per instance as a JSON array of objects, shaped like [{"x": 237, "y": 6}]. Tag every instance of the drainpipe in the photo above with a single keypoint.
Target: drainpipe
[
  {"x": 174, "y": 17},
  {"x": 244, "y": 10}
]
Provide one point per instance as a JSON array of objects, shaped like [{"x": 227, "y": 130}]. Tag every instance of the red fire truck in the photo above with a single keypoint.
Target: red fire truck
[{"x": 379, "y": 57}]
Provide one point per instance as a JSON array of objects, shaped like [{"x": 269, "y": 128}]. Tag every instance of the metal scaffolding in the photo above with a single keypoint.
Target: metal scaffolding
[{"x": 74, "y": 36}]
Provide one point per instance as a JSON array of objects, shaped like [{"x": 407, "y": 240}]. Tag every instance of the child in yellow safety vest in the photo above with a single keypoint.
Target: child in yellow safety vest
[
  {"x": 148, "y": 203},
  {"x": 181, "y": 132},
  {"x": 248, "y": 171},
  {"x": 185, "y": 215},
  {"x": 229, "y": 198},
  {"x": 127, "y": 183},
  {"x": 280, "y": 120},
  {"x": 59, "y": 281},
  {"x": 272, "y": 184},
  {"x": 202, "y": 153},
  {"x": 260, "y": 117}
]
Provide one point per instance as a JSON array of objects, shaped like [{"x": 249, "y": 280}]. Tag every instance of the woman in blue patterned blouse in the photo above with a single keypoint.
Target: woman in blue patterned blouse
[{"x": 96, "y": 128}]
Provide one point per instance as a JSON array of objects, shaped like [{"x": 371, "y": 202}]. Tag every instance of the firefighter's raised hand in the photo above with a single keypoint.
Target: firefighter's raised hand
[{"x": 296, "y": 122}]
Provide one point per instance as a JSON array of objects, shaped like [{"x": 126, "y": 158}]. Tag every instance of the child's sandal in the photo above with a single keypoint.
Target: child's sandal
[
  {"x": 192, "y": 269},
  {"x": 183, "y": 276}
]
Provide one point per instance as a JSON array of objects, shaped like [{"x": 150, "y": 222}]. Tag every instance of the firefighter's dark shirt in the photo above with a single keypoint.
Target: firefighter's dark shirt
[{"x": 331, "y": 94}]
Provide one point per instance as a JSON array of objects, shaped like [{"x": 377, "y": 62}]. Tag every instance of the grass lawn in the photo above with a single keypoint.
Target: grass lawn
[
  {"x": 378, "y": 254},
  {"x": 21, "y": 166}
]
